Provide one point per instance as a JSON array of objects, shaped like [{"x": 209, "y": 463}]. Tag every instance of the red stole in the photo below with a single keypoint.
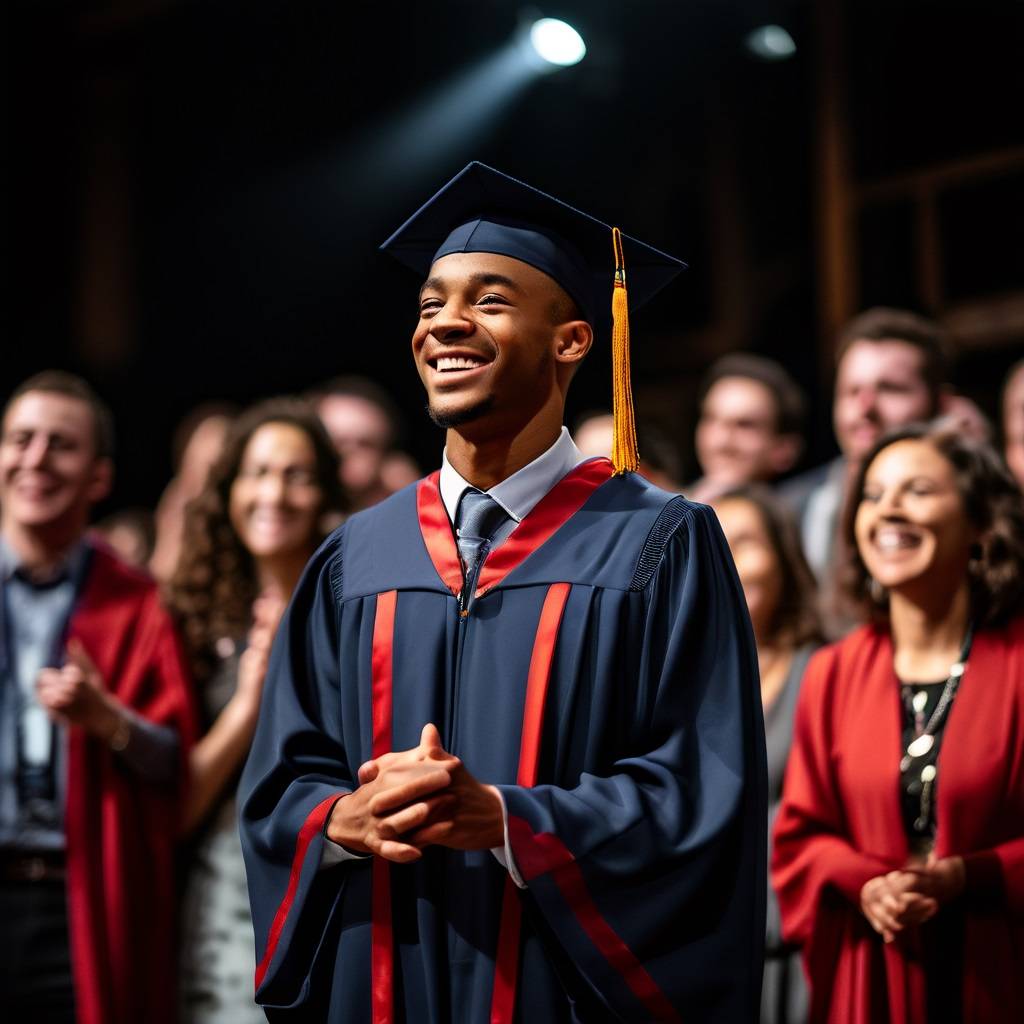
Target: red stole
[{"x": 121, "y": 831}]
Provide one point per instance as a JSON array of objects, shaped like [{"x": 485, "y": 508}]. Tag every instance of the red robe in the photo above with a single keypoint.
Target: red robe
[
  {"x": 120, "y": 831},
  {"x": 840, "y": 824}
]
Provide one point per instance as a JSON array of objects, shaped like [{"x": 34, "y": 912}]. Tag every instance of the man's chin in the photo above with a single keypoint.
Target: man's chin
[
  {"x": 457, "y": 416},
  {"x": 37, "y": 515}
]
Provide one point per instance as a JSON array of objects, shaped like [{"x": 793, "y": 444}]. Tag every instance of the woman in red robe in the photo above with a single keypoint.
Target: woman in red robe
[{"x": 899, "y": 848}]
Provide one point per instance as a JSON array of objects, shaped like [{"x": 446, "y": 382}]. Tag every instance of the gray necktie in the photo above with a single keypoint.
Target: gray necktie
[{"x": 477, "y": 518}]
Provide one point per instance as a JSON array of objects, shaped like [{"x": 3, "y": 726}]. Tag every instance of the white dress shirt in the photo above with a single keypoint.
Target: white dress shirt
[{"x": 517, "y": 495}]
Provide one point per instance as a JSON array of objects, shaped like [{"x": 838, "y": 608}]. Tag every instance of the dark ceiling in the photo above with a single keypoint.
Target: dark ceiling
[{"x": 260, "y": 170}]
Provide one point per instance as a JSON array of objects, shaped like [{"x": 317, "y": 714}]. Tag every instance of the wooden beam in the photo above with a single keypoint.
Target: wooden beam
[
  {"x": 942, "y": 176},
  {"x": 838, "y": 289}
]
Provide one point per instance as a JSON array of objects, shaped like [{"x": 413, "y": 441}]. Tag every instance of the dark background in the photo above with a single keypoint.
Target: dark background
[{"x": 197, "y": 189}]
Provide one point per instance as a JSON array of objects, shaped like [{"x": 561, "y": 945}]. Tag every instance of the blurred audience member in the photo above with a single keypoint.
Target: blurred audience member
[
  {"x": 593, "y": 434},
  {"x": 780, "y": 593},
  {"x": 964, "y": 415},
  {"x": 750, "y": 428},
  {"x": 659, "y": 459},
  {"x": 1013, "y": 421},
  {"x": 131, "y": 533},
  {"x": 399, "y": 470},
  {"x": 899, "y": 847},
  {"x": 196, "y": 446},
  {"x": 95, "y": 722},
  {"x": 890, "y": 371},
  {"x": 248, "y": 536},
  {"x": 365, "y": 426}
]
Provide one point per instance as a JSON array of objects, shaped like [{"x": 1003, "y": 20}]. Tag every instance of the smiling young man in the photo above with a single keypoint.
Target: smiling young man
[
  {"x": 95, "y": 716},
  {"x": 510, "y": 759}
]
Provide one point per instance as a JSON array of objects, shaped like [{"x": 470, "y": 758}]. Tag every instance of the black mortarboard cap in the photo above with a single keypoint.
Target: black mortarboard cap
[{"x": 483, "y": 210}]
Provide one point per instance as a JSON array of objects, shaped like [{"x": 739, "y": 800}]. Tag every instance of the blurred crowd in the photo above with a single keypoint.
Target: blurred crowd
[{"x": 884, "y": 591}]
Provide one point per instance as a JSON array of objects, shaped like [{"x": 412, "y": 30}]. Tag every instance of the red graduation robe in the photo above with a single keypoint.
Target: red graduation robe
[
  {"x": 120, "y": 830},
  {"x": 840, "y": 825}
]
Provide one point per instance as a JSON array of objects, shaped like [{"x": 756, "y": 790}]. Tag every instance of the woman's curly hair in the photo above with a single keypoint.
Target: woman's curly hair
[
  {"x": 994, "y": 506},
  {"x": 214, "y": 584}
]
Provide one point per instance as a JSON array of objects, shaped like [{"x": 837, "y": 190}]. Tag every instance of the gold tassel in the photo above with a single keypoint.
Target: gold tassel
[{"x": 625, "y": 453}]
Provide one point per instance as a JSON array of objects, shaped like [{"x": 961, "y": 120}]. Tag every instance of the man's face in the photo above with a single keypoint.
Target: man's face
[
  {"x": 485, "y": 345},
  {"x": 737, "y": 435},
  {"x": 361, "y": 435},
  {"x": 880, "y": 385},
  {"x": 49, "y": 472}
]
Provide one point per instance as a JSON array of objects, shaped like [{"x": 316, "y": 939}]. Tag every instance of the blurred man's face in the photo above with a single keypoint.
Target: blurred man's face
[
  {"x": 50, "y": 475},
  {"x": 1013, "y": 424},
  {"x": 361, "y": 435},
  {"x": 737, "y": 435},
  {"x": 880, "y": 385}
]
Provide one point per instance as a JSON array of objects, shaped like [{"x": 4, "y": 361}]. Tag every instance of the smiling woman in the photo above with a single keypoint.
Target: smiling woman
[
  {"x": 248, "y": 536},
  {"x": 936, "y": 514},
  {"x": 899, "y": 849}
]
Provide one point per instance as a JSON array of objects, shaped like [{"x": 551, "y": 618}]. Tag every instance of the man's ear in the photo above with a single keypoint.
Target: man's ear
[
  {"x": 572, "y": 341},
  {"x": 786, "y": 450},
  {"x": 102, "y": 480}
]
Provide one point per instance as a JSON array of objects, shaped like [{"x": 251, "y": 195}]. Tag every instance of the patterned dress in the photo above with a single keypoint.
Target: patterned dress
[{"x": 217, "y": 955}]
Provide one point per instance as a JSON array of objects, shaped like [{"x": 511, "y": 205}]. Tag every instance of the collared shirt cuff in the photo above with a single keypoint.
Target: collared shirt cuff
[{"x": 503, "y": 854}]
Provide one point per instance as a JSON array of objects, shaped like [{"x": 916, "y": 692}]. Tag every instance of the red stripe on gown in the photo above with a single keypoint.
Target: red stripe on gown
[
  {"x": 310, "y": 828},
  {"x": 382, "y": 940},
  {"x": 506, "y": 969},
  {"x": 544, "y": 853}
]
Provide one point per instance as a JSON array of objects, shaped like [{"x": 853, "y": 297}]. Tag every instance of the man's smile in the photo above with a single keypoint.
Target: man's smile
[{"x": 451, "y": 367}]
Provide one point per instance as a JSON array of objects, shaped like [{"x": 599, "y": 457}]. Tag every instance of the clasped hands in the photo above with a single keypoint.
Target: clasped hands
[
  {"x": 410, "y": 799},
  {"x": 899, "y": 899}
]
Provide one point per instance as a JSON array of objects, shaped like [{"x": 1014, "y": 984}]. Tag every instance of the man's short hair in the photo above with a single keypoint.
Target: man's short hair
[
  {"x": 881, "y": 323},
  {"x": 352, "y": 386},
  {"x": 59, "y": 382},
  {"x": 790, "y": 404}
]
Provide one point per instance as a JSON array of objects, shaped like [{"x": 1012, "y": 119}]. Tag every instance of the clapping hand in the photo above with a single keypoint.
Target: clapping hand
[
  {"x": 267, "y": 610},
  {"x": 76, "y": 694}
]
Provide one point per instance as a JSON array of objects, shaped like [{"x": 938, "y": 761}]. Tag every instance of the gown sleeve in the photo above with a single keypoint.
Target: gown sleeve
[
  {"x": 996, "y": 876},
  {"x": 296, "y": 771},
  {"x": 650, "y": 875},
  {"x": 811, "y": 853}
]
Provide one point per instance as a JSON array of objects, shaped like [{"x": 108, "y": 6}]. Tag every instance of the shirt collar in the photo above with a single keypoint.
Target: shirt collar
[
  {"x": 520, "y": 492},
  {"x": 69, "y": 567}
]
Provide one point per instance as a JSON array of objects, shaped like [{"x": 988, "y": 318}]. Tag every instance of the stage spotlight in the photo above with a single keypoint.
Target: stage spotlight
[
  {"x": 557, "y": 42},
  {"x": 771, "y": 42}
]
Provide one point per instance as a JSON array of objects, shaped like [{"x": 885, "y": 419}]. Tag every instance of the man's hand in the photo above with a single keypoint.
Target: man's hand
[
  {"x": 892, "y": 902},
  {"x": 76, "y": 695},
  {"x": 398, "y": 793},
  {"x": 471, "y": 817}
]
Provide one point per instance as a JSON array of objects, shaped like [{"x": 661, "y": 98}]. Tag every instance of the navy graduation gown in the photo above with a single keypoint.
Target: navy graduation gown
[{"x": 605, "y": 679}]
